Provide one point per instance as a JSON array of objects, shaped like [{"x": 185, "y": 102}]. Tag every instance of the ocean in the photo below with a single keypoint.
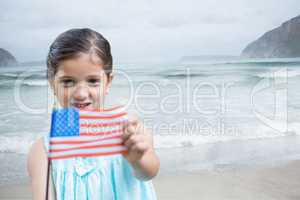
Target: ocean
[{"x": 203, "y": 114}]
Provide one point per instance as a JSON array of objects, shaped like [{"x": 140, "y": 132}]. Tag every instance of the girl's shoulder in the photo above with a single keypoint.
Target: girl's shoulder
[{"x": 37, "y": 156}]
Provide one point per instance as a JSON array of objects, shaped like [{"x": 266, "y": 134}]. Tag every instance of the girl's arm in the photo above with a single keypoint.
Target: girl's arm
[
  {"x": 37, "y": 170},
  {"x": 141, "y": 154}
]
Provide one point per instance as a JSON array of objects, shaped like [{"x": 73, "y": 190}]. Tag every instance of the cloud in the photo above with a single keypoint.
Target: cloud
[{"x": 143, "y": 29}]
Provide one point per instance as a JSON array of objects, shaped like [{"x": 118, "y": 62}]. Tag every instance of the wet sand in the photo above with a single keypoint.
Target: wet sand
[{"x": 267, "y": 183}]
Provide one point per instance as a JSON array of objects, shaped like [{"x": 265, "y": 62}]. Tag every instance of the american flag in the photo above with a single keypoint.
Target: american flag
[{"x": 85, "y": 133}]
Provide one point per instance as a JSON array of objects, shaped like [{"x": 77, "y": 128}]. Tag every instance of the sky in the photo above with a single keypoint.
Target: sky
[{"x": 143, "y": 30}]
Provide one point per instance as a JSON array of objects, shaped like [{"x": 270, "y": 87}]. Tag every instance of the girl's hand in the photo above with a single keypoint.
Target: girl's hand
[{"x": 137, "y": 139}]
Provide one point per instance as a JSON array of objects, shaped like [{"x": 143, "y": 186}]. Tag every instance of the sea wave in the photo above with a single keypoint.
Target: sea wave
[
  {"x": 16, "y": 144},
  {"x": 181, "y": 75},
  {"x": 263, "y": 63},
  {"x": 35, "y": 83},
  {"x": 6, "y": 84},
  {"x": 14, "y": 76},
  {"x": 21, "y": 143},
  {"x": 247, "y": 62},
  {"x": 279, "y": 74}
]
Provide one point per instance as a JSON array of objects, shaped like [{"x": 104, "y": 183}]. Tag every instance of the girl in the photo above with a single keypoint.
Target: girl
[{"x": 79, "y": 70}]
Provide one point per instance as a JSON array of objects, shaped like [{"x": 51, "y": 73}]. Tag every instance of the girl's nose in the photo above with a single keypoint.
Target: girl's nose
[{"x": 81, "y": 93}]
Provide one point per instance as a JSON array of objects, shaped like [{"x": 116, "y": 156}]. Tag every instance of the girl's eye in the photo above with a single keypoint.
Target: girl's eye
[
  {"x": 94, "y": 82},
  {"x": 68, "y": 82}
]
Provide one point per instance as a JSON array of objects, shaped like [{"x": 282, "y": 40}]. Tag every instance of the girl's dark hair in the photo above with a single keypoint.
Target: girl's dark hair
[{"x": 71, "y": 43}]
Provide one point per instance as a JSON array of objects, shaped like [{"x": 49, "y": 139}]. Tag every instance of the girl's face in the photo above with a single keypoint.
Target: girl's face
[{"x": 81, "y": 83}]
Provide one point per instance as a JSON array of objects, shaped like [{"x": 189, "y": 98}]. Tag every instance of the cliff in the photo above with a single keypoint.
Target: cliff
[
  {"x": 7, "y": 58},
  {"x": 281, "y": 42}
]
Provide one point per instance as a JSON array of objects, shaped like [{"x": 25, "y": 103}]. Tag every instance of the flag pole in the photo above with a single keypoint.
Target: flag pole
[
  {"x": 48, "y": 159},
  {"x": 48, "y": 175}
]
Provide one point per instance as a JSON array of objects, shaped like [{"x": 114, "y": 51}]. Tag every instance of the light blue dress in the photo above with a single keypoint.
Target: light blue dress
[{"x": 98, "y": 178}]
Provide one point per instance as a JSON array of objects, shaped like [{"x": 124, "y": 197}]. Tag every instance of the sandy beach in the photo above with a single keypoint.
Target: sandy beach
[
  {"x": 267, "y": 183},
  {"x": 280, "y": 183}
]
